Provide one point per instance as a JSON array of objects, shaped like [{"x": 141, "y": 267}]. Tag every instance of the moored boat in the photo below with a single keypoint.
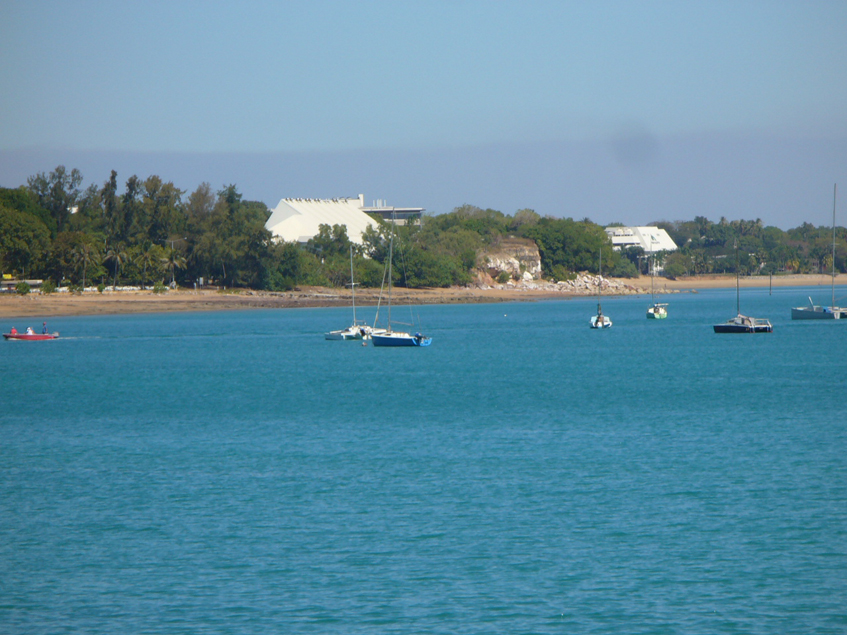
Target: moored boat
[
  {"x": 817, "y": 312},
  {"x": 359, "y": 330},
  {"x": 742, "y": 323},
  {"x": 600, "y": 321},
  {"x": 814, "y": 311},
  {"x": 399, "y": 338},
  {"x": 389, "y": 337},
  {"x": 657, "y": 310}
]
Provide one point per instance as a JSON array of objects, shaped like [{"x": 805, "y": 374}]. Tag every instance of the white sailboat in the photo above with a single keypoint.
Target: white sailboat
[
  {"x": 657, "y": 310},
  {"x": 814, "y": 311},
  {"x": 358, "y": 330},
  {"x": 600, "y": 321},
  {"x": 390, "y": 337}
]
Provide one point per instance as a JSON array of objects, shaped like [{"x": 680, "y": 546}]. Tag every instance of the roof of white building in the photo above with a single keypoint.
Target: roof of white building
[
  {"x": 650, "y": 239},
  {"x": 298, "y": 219}
]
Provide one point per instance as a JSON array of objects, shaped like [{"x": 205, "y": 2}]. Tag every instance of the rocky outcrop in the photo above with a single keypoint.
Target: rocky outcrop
[
  {"x": 519, "y": 257},
  {"x": 584, "y": 284}
]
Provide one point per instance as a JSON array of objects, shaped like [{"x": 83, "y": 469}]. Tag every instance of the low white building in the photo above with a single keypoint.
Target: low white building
[
  {"x": 650, "y": 239},
  {"x": 299, "y": 219}
]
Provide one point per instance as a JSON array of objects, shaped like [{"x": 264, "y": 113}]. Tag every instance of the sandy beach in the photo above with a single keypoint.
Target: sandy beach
[{"x": 45, "y": 306}]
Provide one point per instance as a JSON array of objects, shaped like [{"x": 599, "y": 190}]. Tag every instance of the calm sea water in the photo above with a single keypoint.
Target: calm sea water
[{"x": 235, "y": 473}]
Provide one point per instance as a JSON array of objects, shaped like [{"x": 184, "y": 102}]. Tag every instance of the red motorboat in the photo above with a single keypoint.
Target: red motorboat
[{"x": 30, "y": 336}]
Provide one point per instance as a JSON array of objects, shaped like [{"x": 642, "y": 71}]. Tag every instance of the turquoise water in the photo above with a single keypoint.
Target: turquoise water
[{"x": 235, "y": 473}]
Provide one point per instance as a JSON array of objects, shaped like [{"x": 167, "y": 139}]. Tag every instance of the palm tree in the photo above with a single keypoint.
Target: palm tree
[
  {"x": 173, "y": 260},
  {"x": 86, "y": 255},
  {"x": 145, "y": 257},
  {"x": 118, "y": 255}
]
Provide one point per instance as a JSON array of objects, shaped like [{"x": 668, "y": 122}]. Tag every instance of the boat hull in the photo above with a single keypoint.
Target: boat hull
[
  {"x": 353, "y": 333},
  {"x": 818, "y": 313},
  {"x": 603, "y": 323},
  {"x": 743, "y": 324},
  {"x": 34, "y": 337},
  {"x": 657, "y": 312},
  {"x": 400, "y": 339}
]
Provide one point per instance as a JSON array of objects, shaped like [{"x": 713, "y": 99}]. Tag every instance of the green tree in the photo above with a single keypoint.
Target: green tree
[
  {"x": 85, "y": 254},
  {"x": 173, "y": 260},
  {"x": 24, "y": 241},
  {"x": 677, "y": 265},
  {"x": 57, "y": 192},
  {"x": 118, "y": 257},
  {"x": 148, "y": 256}
]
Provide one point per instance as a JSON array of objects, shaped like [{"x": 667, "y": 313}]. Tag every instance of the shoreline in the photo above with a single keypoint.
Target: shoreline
[{"x": 110, "y": 302}]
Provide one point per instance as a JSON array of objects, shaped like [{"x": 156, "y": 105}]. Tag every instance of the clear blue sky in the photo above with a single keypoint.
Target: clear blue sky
[{"x": 618, "y": 111}]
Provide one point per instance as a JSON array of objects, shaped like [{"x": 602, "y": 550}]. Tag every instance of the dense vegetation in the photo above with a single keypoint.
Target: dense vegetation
[{"x": 152, "y": 234}]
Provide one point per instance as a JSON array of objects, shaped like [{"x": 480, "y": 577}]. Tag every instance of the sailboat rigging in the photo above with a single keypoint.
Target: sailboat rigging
[
  {"x": 742, "y": 323},
  {"x": 389, "y": 337},
  {"x": 814, "y": 311},
  {"x": 358, "y": 330},
  {"x": 600, "y": 321},
  {"x": 657, "y": 311}
]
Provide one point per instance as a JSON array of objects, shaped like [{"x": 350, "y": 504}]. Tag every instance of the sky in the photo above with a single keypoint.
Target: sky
[{"x": 630, "y": 112}]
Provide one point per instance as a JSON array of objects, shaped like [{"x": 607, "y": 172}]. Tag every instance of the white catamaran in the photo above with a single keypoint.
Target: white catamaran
[{"x": 359, "y": 330}]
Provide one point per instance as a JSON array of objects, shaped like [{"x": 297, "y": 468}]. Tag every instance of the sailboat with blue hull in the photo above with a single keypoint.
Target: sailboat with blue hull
[{"x": 390, "y": 337}]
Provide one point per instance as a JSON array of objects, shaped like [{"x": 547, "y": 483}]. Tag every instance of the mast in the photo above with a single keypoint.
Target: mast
[
  {"x": 599, "y": 278},
  {"x": 652, "y": 273},
  {"x": 737, "y": 284},
  {"x": 834, "y": 192},
  {"x": 352, "y": 285},
  {"x": 390, "y": 259}
]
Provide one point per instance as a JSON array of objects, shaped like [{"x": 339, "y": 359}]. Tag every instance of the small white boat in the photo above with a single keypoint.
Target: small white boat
[
  {"x": 600, "y": 321},
  {"x": 356, "y": 331},
  {"x": 657, "y": 310}
]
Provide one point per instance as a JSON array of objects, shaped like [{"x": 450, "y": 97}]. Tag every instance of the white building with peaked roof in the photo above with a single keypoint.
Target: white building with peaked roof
[
  {"x": 299, "y": 219},
  {"x": 650, "y": 239}
]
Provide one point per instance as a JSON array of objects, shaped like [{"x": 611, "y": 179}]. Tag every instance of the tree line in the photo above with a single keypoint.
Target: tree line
[{"x": 149, "y": 233}]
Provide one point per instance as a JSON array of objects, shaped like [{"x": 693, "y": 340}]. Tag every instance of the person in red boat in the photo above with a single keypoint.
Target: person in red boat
[{"x": 14, "y": 331}]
